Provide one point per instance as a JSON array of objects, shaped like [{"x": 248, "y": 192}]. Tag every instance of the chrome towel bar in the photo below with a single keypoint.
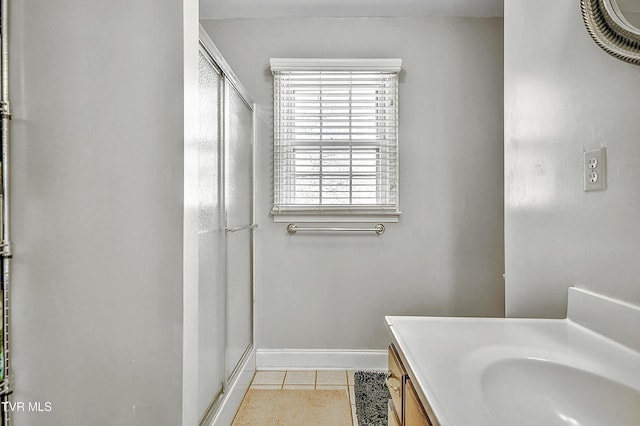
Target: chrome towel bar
[{"x": 292, "y": 229}]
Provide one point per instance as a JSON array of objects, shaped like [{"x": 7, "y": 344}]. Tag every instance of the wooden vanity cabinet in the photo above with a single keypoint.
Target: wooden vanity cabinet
[{"x": 405, "y": 408}]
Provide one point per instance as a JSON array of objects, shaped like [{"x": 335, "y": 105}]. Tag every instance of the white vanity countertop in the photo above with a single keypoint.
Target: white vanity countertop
[{"x": 490, "y": 371}]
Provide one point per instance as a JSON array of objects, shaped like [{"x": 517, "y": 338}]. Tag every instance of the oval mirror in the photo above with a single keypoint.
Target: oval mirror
[{"x": 615, "y": 26}]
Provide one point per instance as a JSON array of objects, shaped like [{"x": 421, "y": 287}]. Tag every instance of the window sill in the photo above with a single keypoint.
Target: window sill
[{"x": 329, "y": 217}]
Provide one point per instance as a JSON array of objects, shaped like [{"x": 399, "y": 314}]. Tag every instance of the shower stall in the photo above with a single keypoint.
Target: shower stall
[{"x": 225, "y": 228}]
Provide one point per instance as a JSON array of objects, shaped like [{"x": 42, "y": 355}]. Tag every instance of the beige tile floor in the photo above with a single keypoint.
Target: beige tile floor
[{"x": 308, "y": 379}]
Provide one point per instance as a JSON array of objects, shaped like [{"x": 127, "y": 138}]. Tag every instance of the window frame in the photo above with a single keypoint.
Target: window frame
[{"x": 350, "y": 213}]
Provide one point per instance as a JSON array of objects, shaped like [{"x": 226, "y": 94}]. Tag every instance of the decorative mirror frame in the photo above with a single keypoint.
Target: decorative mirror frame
[{"x": 611, "y": 32}]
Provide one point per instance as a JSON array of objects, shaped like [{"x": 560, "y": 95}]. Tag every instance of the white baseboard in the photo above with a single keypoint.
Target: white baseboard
[
  {"x": 319, "y": 359},
  {"x": 234, "y": 394}
]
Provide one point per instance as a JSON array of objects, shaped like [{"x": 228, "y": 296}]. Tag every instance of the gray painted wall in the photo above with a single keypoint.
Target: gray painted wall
[
  {"x": 445, "y": 257},
  {"x": 97, "y": 91},
  {"x": 564, "y": 94}
]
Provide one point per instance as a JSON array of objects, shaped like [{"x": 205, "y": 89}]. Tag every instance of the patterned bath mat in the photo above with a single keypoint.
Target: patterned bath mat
[{"x": 372, "y": 397}]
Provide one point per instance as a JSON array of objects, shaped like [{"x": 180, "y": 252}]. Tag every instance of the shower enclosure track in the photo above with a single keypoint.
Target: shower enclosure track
[{"x": 6, "y": 385}]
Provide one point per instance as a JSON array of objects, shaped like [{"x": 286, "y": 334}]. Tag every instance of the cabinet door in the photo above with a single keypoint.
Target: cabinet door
[
  {"x": 414, "y": 414},
  {"x": 395, "y": 380}
]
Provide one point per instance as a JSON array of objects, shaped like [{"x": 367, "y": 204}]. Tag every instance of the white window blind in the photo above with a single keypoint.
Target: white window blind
[{"x": 336, "y": 137}]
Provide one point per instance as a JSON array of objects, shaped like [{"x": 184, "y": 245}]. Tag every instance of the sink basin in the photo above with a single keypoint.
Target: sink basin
[
  {"x": 542, "y": 392},
  {"x": 583, "y": 370}
]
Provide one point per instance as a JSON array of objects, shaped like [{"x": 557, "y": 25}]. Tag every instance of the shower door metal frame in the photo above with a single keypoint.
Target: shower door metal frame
[
  {"x": 6, "y": 386},
  {"x": 211, "y": 52},
  {"x": 220, "y": 199},
  {"x": 249, "y": 227}
]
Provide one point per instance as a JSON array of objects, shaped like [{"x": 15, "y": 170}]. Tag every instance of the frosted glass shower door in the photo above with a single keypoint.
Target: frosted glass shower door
[
  {"x": 211, "y": 284},
  {"x": 238, "y": 200}
]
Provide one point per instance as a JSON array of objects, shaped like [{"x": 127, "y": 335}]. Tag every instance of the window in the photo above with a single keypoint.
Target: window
[{"x": 335, "y": 139}]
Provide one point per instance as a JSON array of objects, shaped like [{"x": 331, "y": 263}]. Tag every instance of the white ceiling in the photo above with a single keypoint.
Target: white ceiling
[{"x": 347, "y": 8}]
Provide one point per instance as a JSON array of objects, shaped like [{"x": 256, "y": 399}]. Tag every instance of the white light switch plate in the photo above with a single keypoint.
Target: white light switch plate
[{"x": 595, "y": 170}]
